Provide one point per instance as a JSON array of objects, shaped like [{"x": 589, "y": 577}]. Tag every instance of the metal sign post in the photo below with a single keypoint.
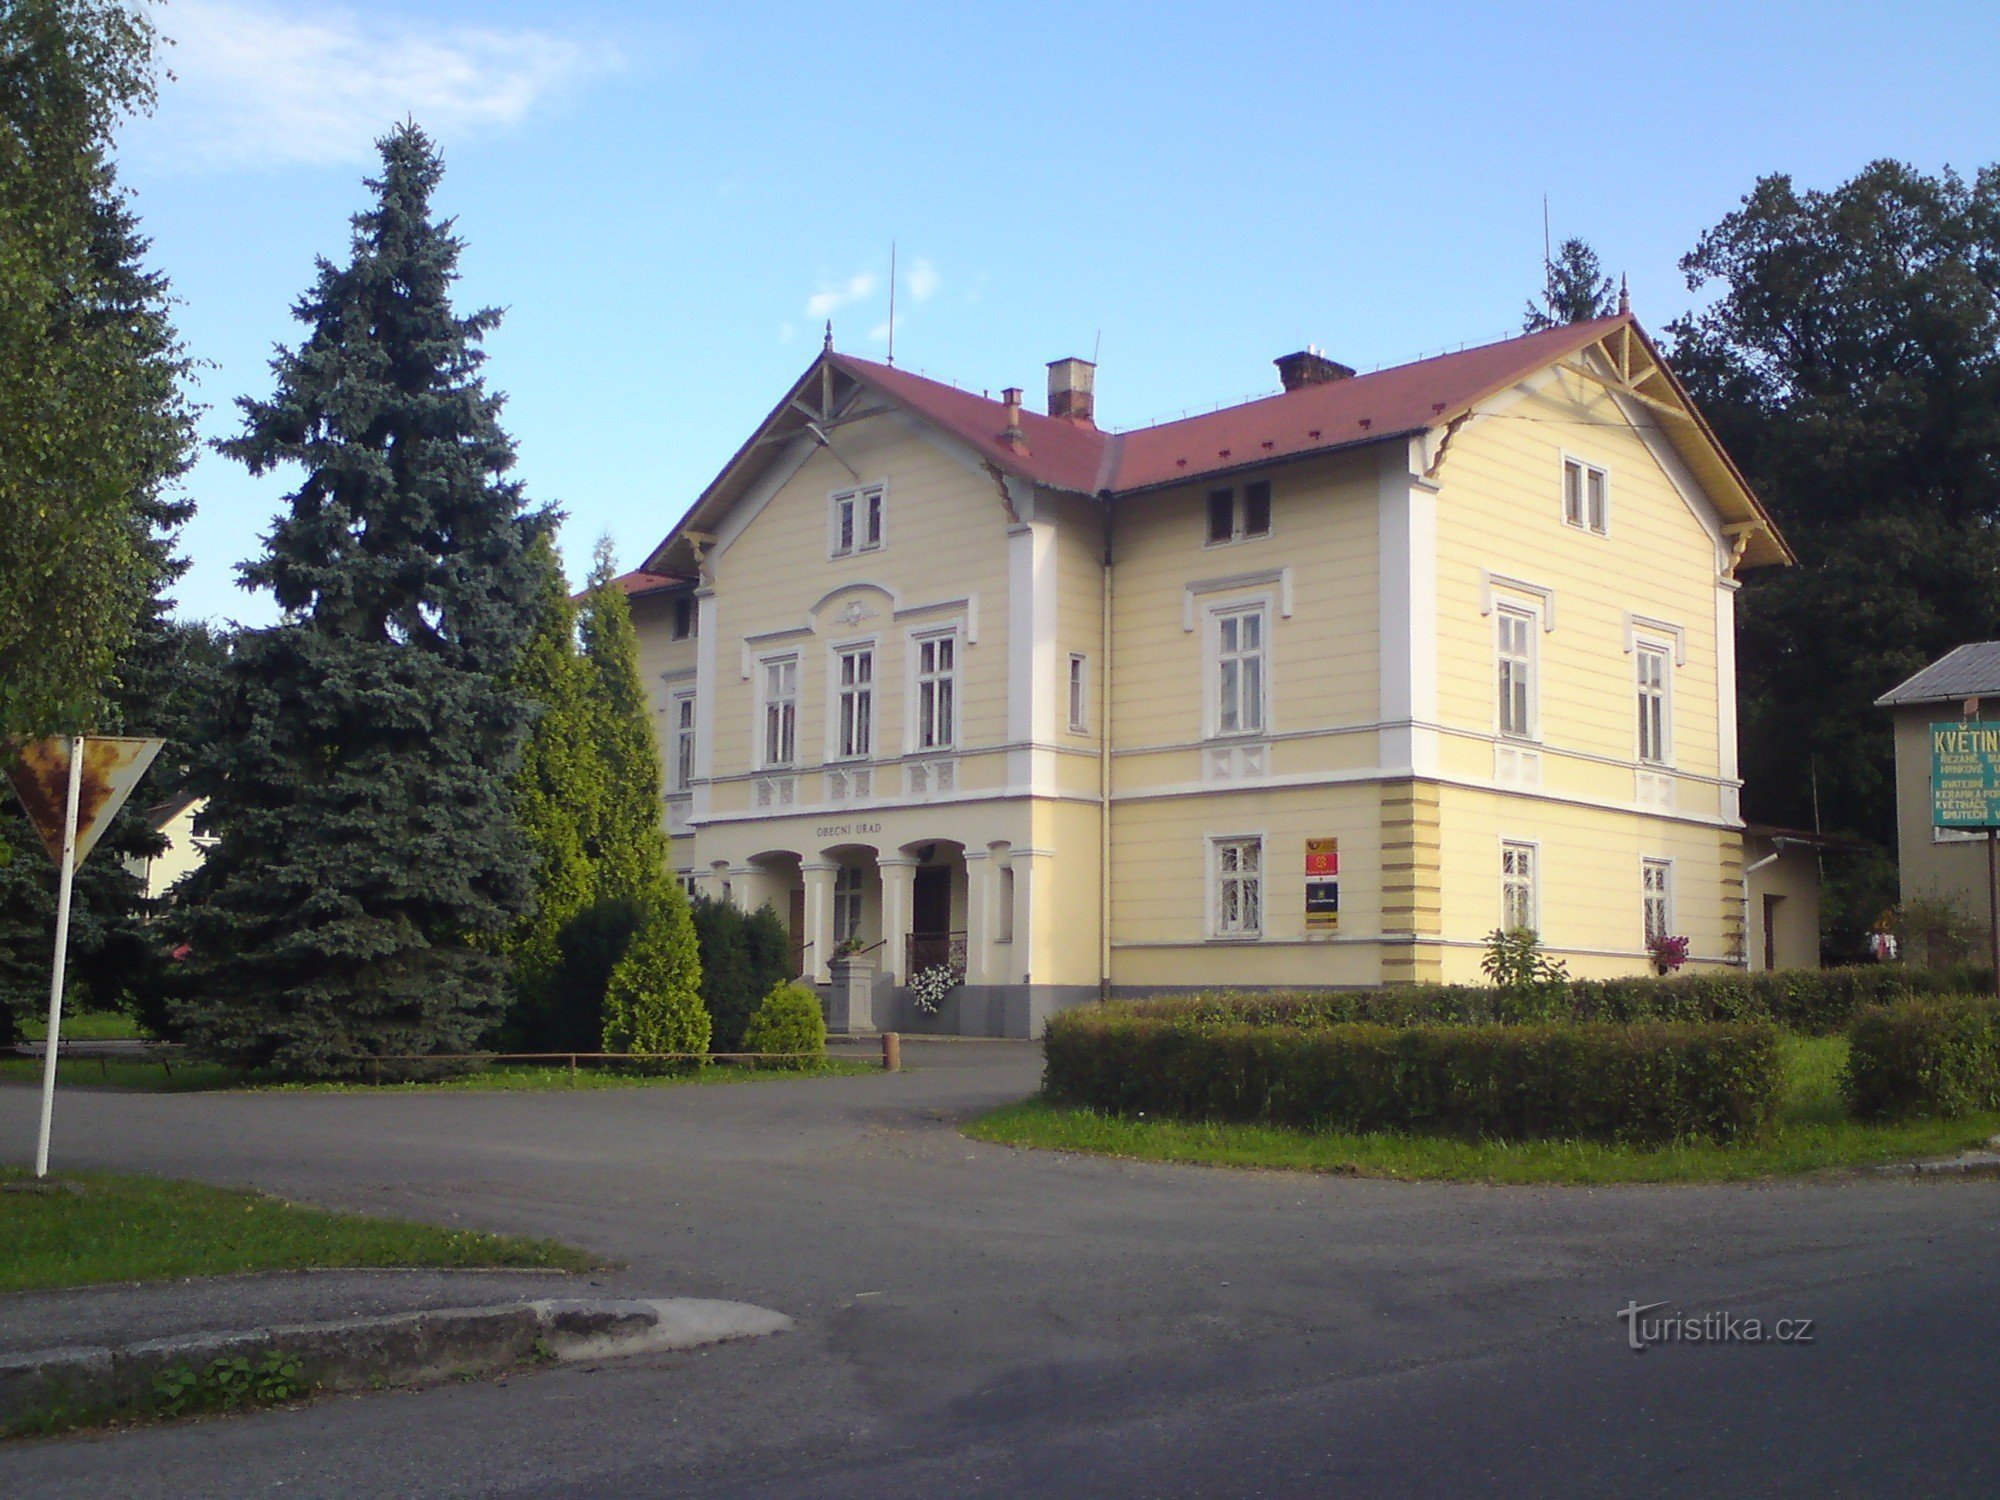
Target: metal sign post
[
  {"x": 1965, "y": 794},
  {"x": 95, "y": 777},
  {"x": 65, "y": 880}
]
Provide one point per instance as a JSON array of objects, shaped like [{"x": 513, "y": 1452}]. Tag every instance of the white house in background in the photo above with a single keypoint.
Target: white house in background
[{"x": 174, "y": 821}]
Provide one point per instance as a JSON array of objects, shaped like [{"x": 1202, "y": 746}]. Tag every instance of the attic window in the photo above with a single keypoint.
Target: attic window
[
  {"x": 854, "y": 522},
  {"x": 687, "y": 619},
  {"x": 1584, "y": 487},
  {"x": 1237, "y": 514}
]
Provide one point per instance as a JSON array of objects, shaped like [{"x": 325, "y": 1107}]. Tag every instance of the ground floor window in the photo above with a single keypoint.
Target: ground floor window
[
  {"x": 1238, "y": 886},
  {"x": 1517, "y": 887},
  {"x": 1657, "y": 895},
  {"x": 847, "y": 903}
]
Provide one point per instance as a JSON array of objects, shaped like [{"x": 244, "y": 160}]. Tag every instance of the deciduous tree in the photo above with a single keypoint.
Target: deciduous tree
[{"x": 1851, "y": 364}]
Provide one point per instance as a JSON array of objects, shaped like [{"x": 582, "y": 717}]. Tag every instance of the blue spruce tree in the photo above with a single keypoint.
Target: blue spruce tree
[{"x": 360, "y": 765}]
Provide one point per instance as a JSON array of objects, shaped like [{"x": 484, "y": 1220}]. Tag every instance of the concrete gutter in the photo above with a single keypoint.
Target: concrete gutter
[{"x": 362, "y": 1353}]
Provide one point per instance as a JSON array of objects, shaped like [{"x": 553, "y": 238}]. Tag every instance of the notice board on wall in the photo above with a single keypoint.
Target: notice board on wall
[{"x": 1322, "y": 885}]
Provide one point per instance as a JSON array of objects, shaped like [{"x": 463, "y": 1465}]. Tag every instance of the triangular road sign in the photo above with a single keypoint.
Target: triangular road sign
[{"x": 111, "y": 768}]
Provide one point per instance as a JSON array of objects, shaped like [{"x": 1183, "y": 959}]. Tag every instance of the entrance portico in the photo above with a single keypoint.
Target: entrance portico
[{"x": 913, "y": 905}]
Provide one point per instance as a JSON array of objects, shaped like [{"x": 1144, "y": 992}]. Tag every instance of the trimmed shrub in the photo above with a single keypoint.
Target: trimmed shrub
[
  {"x": 1934, "y": 1057},
  {"x": 560, "y": 1008},
  {"x": 1813, "y": 1002},
  {"x": 788, "y": 1020},
  {"x": 743, "y": 956},
  {"x": 1643, "y": 1085},
  {"x": 653, "y": 1003}
]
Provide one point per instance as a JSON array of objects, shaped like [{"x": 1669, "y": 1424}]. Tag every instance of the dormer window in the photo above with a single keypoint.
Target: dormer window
[
  {"x": 1239, "y": 513},
  {"x": 854, "y": 523}
]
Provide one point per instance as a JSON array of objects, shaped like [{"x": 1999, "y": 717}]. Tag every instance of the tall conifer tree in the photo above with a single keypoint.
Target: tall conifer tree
[
  {"x": 365, "y": 747},
  {"x": 628, "y": 844},
  {"x": 1574, "y": 289},
  {"x": 560, "y": 788}
]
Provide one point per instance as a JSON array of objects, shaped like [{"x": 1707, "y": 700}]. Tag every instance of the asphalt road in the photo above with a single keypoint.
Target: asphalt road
[{"x": 979, "y": 1321}]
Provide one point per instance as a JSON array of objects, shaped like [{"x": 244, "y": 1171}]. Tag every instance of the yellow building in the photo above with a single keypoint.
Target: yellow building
[{"x": 1316, "y": 690}]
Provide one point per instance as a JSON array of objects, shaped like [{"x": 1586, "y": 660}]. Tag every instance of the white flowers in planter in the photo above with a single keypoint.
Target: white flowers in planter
[{"x": 929, "y": 986}]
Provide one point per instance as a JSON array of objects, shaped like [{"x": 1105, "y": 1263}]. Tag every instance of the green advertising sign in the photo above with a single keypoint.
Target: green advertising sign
[{"x": 1965, "y": 775}]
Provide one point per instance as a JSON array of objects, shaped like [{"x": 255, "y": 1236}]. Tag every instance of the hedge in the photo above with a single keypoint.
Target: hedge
[
  {"x": 1814, "y": 1002},
  {"x": 1934, "y": 1057},
  {"x": 1643, "y": 1085}
]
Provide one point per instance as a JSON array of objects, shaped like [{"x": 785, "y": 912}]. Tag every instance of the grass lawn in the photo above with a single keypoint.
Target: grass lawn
[
  {"x": 113, "y": 1227},
  {"x": 85, "y": 1026},
  {"x": 1811, "y": 1134},
  {"x": 189, "y": 1077}
]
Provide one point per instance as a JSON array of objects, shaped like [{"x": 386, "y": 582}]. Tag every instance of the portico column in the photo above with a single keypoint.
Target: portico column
[
  {"x": 978, "y": 917},
  {"x": 898, "y": 871},
  {"x": 1028, "y": 865},
  {"x": 714, "y": 878},
  {"x": 819, "y": 918}
]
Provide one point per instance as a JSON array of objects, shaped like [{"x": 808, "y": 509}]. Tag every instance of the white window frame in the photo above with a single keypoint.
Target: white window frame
[
  {"x": 1243, "y": 930},
  {"x": 1077, "y": 687},
  {"x": 1239, "y": 509},
  {"x": 849, "y": 902},
  {"x": 1663, "y": 653},
  {"x": 683, "y": 722},
  {"x": 1212, "y": 674},
  {"x": 857, "y": 504},
  {"x": 1509, "y": 848},
  {"x": 914, "y": 681},
  {"x": 838, "y": 692},
  {"x": 766, "y": 702},
  {"x": 1649, "y": 866},
  {"x": 1584, "y": 469},
  {"x": 1530, "y": 621}
]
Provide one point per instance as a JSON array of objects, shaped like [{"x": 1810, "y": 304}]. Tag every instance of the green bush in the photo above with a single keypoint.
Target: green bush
[
  {"x": 560, "y": 1007},
  {"x": 653, "y": 1003},
  {"x": 1935, "y": 1057},
  {"x": 788, "y": 1020},
  {"x": 743, "y": 955},
  {"x": 1644, "y": 1085},
  {"x": 1813, "y": 1002}
]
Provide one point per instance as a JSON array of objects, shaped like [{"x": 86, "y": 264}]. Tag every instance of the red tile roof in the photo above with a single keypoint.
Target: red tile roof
[
  {"x": 1063, "y": 455},
  {"x": 640, "y": 582},
  {"x": 1342, "y": 413}
]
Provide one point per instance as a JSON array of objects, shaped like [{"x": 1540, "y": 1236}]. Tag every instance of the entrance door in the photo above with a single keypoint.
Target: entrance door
[{"x": 930, "y": 917}]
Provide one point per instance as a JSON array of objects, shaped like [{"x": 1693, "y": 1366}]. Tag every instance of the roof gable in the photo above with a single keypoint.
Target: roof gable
[{"x": 1062, "y": 454}]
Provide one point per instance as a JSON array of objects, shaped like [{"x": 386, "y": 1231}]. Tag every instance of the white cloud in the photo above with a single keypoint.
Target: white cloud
[
  {"x": 879, "y": 334},
  {"x": 923, "y": 280},
  {"x": 830, "y": 299},
  {"x": 263, "y": 84}
]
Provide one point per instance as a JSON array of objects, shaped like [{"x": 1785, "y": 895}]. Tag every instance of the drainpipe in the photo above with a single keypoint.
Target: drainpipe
[{"x": 1104, "y": 765}]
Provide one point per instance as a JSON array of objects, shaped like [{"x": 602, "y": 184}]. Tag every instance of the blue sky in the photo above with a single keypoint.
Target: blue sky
[{"x": 669, "y": 201}]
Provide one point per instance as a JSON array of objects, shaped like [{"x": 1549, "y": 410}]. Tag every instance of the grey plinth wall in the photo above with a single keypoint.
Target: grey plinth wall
[
  {"x": 1012, "y": 1010},
  {"x": 849, "y": 1000}
]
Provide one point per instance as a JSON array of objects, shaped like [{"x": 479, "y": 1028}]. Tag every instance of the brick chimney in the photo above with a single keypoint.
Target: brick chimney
[
  {"x": 1073, "y": 391},
  {"x": 1309, "y": 367},
  {"x": 1013, "y": 437}
]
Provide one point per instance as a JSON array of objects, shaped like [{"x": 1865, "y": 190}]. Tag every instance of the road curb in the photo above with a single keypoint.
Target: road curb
[{"x": 362, "y": 1353}]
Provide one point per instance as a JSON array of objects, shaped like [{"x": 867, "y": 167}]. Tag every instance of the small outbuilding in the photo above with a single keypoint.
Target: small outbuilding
[{"x": 1961, "y": 688}]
